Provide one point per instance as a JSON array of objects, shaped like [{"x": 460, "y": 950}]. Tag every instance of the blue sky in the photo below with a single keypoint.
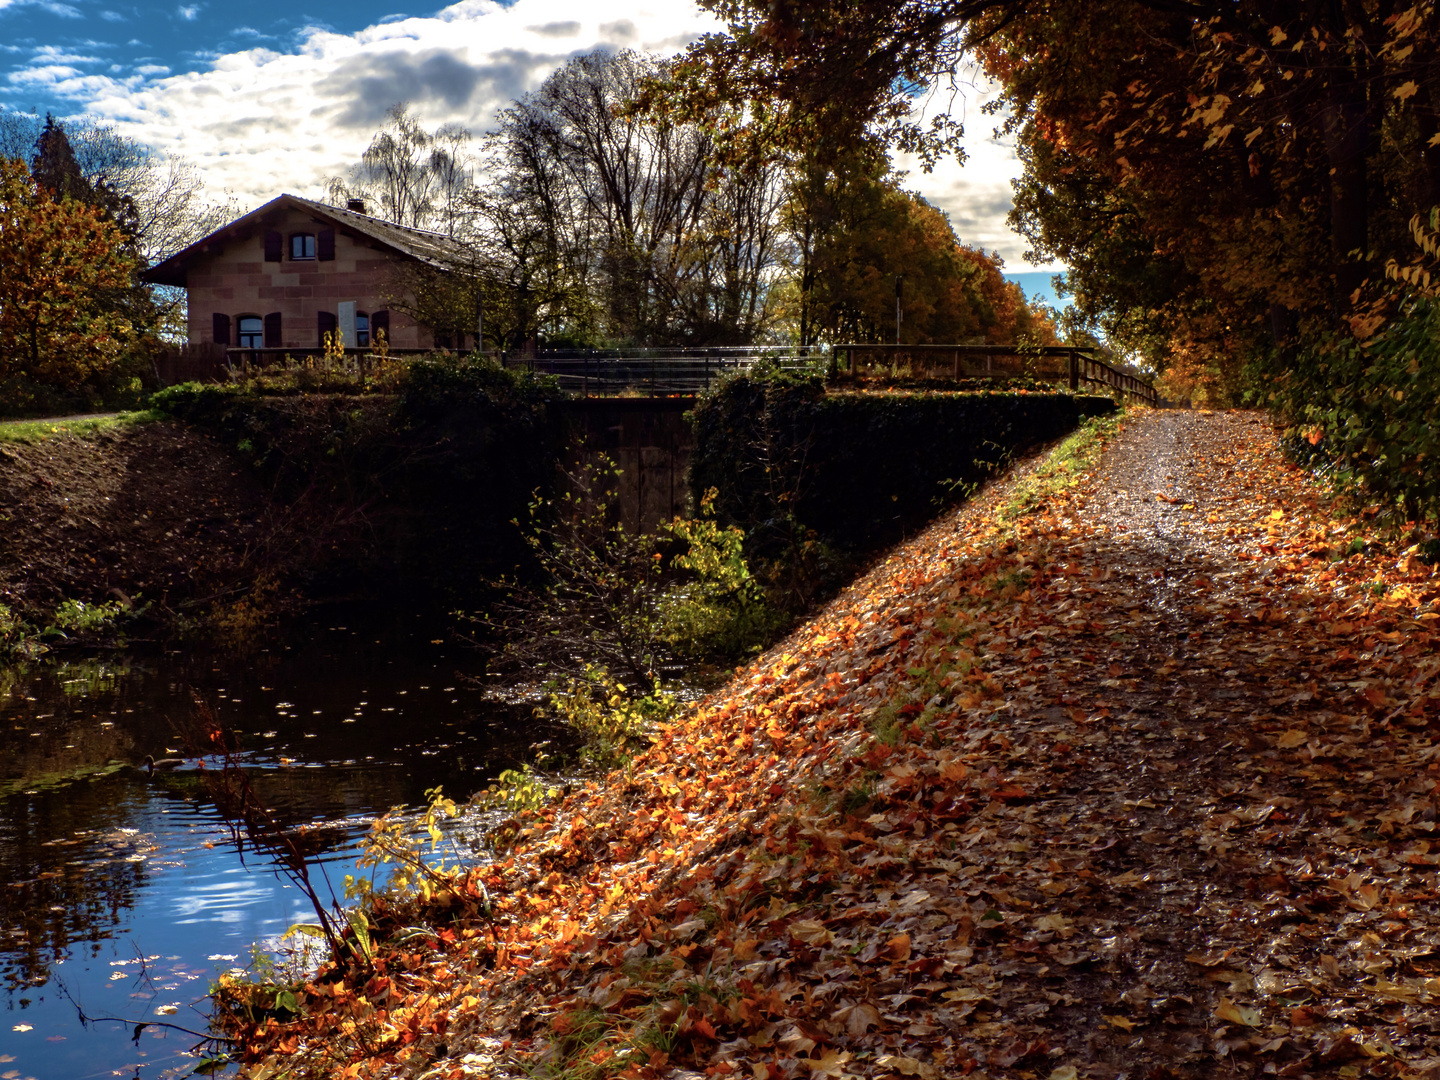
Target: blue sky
[{"x": 268, "y": 97}]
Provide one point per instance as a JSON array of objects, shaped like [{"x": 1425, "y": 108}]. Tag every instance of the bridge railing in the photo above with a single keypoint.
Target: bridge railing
[
  {"x": 605, "y": 372},
  {"x": 1077, "y": 368}
]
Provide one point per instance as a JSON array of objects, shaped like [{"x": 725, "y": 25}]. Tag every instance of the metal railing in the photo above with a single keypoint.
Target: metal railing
[{"x": 658, "y": 372}]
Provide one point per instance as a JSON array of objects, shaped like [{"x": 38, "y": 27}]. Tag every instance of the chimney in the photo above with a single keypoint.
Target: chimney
[{"x": 356, "y": 205}]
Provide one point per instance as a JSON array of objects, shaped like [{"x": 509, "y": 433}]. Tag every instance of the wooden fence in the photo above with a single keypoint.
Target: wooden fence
[
  {"x": 687, "y": 371},
  {"x": 1077, "y": 368}
]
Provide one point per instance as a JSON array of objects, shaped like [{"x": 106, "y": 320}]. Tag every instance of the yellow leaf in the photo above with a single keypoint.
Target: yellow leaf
[
  {"x": 811, "y": 932},
  {"x": 1120, "y": 1022},
  {"x": 1406, "y": 90},
  {"x": 1237, "y": 1014},
  {"x": 1064, "y": 1072},
  {"x": 905, "y": 1066},
  {"x": 1290, "y": 739},
  {"x": 1277, "y": 515},
  {"x": 831, "y": 1063},
  {"x": 1277, "y": 36},
  {"x": 1254, "y": 134}
]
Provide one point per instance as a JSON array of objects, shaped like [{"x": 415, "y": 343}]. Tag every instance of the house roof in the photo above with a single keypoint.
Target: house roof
[{"x": 435, "y": 249}]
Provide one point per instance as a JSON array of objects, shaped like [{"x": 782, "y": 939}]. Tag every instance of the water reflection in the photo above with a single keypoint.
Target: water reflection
[{"x": 123, "y": 891}]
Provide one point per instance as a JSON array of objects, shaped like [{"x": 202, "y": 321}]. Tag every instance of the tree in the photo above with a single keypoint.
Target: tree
[
  {"x": 415, "y": 177},
  {"x": 858, "y": 230},
  {"x": 671, "y": 243},
  {"x": 64, "y": 269},
  {"x": 1271, "y": 151}
]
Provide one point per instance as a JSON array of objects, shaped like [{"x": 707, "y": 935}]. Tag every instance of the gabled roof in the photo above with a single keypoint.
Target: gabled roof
[{"x": 435, "y": 249}]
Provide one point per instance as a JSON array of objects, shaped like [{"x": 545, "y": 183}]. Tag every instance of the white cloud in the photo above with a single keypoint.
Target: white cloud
[
  {"x": 977, "y": 195},
  {"x": 188, "y": 12},
  {"x": 260, "y": 121},
  {"x": 265, "y": 120}
]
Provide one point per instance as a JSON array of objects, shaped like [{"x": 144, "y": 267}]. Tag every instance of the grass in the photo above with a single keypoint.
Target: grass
[
  {"x": 33, "y": 431},
  {"x": 1063, "y": 468}
]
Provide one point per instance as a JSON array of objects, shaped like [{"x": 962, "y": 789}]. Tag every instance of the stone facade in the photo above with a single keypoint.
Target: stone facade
[
  {"x": 233, "y": 279},
  {"x": 283, "y": 275}
]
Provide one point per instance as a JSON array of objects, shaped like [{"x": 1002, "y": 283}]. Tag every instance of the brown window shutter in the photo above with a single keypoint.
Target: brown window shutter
[
  {"x": 328, "y": 325},
  {"x": 274, "y": 245},
  {"x": 222, "y": 329},
  {"x": 379, "y": 321},
  {"x": 272, "y": 330},
  {"x": 325, "y": 245}
]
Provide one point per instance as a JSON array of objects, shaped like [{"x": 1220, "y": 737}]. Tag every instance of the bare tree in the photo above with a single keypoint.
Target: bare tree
[
  {"x": 415, "y": 177},
  {"x": 670, "y": 244},
  {"x": 171, "y": 209}
]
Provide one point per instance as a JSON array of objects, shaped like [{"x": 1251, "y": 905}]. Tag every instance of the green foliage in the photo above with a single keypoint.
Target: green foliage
[
  {"x": 33, "y": 431},
  {"x": 857, "y": 470},
  {"x": 1062, "y": 469},
  {"x": 719, "y": 610},
  {"x": 630, "y": 605},
  {"x": 1370, "y": 414},
  {"x": 614, "y": 720},
  {"x": 18, "y": 639},
  {"x": 518, "y": 790},
  {"x": 89, "y": 618},
  {"x": 21, "y": 639},
  {"x": 443, "y": 383},
  {"x": 394, "y": 842}
]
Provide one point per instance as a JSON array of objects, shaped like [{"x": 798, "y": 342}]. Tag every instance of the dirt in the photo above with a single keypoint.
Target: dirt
[{"x": 151, "y": 514}]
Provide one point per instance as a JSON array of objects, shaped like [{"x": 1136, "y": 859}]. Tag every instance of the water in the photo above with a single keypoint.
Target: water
[{"x": 123, "y": 895}]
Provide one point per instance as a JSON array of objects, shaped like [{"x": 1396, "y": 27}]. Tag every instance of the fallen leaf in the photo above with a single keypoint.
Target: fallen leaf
[
  {"x": 897, "y": 948},
  {"x": 1237, "y": 1014}
]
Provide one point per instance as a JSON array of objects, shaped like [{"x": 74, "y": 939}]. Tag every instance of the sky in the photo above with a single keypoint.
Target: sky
[{"x": 272, "y": 96}]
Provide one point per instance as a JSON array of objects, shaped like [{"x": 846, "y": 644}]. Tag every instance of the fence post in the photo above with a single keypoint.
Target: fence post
[{"x": 1074, "y": 371}]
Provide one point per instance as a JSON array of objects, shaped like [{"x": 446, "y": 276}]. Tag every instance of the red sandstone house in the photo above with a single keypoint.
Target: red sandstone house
[{"x": 285, "y": 275}]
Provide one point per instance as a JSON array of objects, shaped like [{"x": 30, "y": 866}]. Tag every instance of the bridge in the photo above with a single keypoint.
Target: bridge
[{"x": 688, "y": 371}]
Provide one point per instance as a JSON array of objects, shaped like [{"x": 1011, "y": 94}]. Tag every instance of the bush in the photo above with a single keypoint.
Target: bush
[
  {"x": 857, "y": 470},
  {"x": 1370, "y": 414},
  {"x": 418, "y": 487}
]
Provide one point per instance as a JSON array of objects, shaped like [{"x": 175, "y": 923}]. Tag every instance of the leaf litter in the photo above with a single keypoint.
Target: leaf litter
[{"x": 1131, "y": 779}]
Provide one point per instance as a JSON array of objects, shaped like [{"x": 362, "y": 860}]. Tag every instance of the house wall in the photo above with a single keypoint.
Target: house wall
[{"x": 234, "y": 279}]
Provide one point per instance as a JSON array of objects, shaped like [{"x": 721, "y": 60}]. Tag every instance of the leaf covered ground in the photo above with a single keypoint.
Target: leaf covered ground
[{"x": 1135, "y": 778}]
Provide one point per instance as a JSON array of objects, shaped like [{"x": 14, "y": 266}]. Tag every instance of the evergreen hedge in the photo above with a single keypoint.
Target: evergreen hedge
[
  {"x": 419, "y": 488},
  {"x": 860, "y": 469},
  {"x": 1370, "y": 414}
]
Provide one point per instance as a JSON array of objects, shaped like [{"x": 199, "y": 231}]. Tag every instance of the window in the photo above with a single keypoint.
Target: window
[
  {"x": 327, "y": 324},
  {"x": 302, "y": 246},
  {"x": 251, "y": 332},
  {"x": 362, "y": 330}
]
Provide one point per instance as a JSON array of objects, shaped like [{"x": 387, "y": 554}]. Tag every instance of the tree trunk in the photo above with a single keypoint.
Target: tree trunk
[{"x": 1347, "y": 135}]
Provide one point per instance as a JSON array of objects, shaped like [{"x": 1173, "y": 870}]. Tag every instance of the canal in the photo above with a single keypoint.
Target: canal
[{"x": 122, "y": 892}]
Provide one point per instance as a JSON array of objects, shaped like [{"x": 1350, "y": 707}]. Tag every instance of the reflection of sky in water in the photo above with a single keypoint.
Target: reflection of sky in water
[
  {"x": 193, "y": 903},
  {"x": 125, "y": 891}
]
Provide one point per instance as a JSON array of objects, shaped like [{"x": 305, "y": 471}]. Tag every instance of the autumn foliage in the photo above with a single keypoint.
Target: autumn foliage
[
  {"x": 1065, "y": 787},
  {"x": 63, "y": 268}
]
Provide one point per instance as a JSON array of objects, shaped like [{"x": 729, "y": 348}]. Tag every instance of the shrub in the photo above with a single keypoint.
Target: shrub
[{"x": 1370, "y": 413}]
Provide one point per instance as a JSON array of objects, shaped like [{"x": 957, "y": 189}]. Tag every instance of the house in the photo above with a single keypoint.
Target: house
[{"x": 287, "y": 274}]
